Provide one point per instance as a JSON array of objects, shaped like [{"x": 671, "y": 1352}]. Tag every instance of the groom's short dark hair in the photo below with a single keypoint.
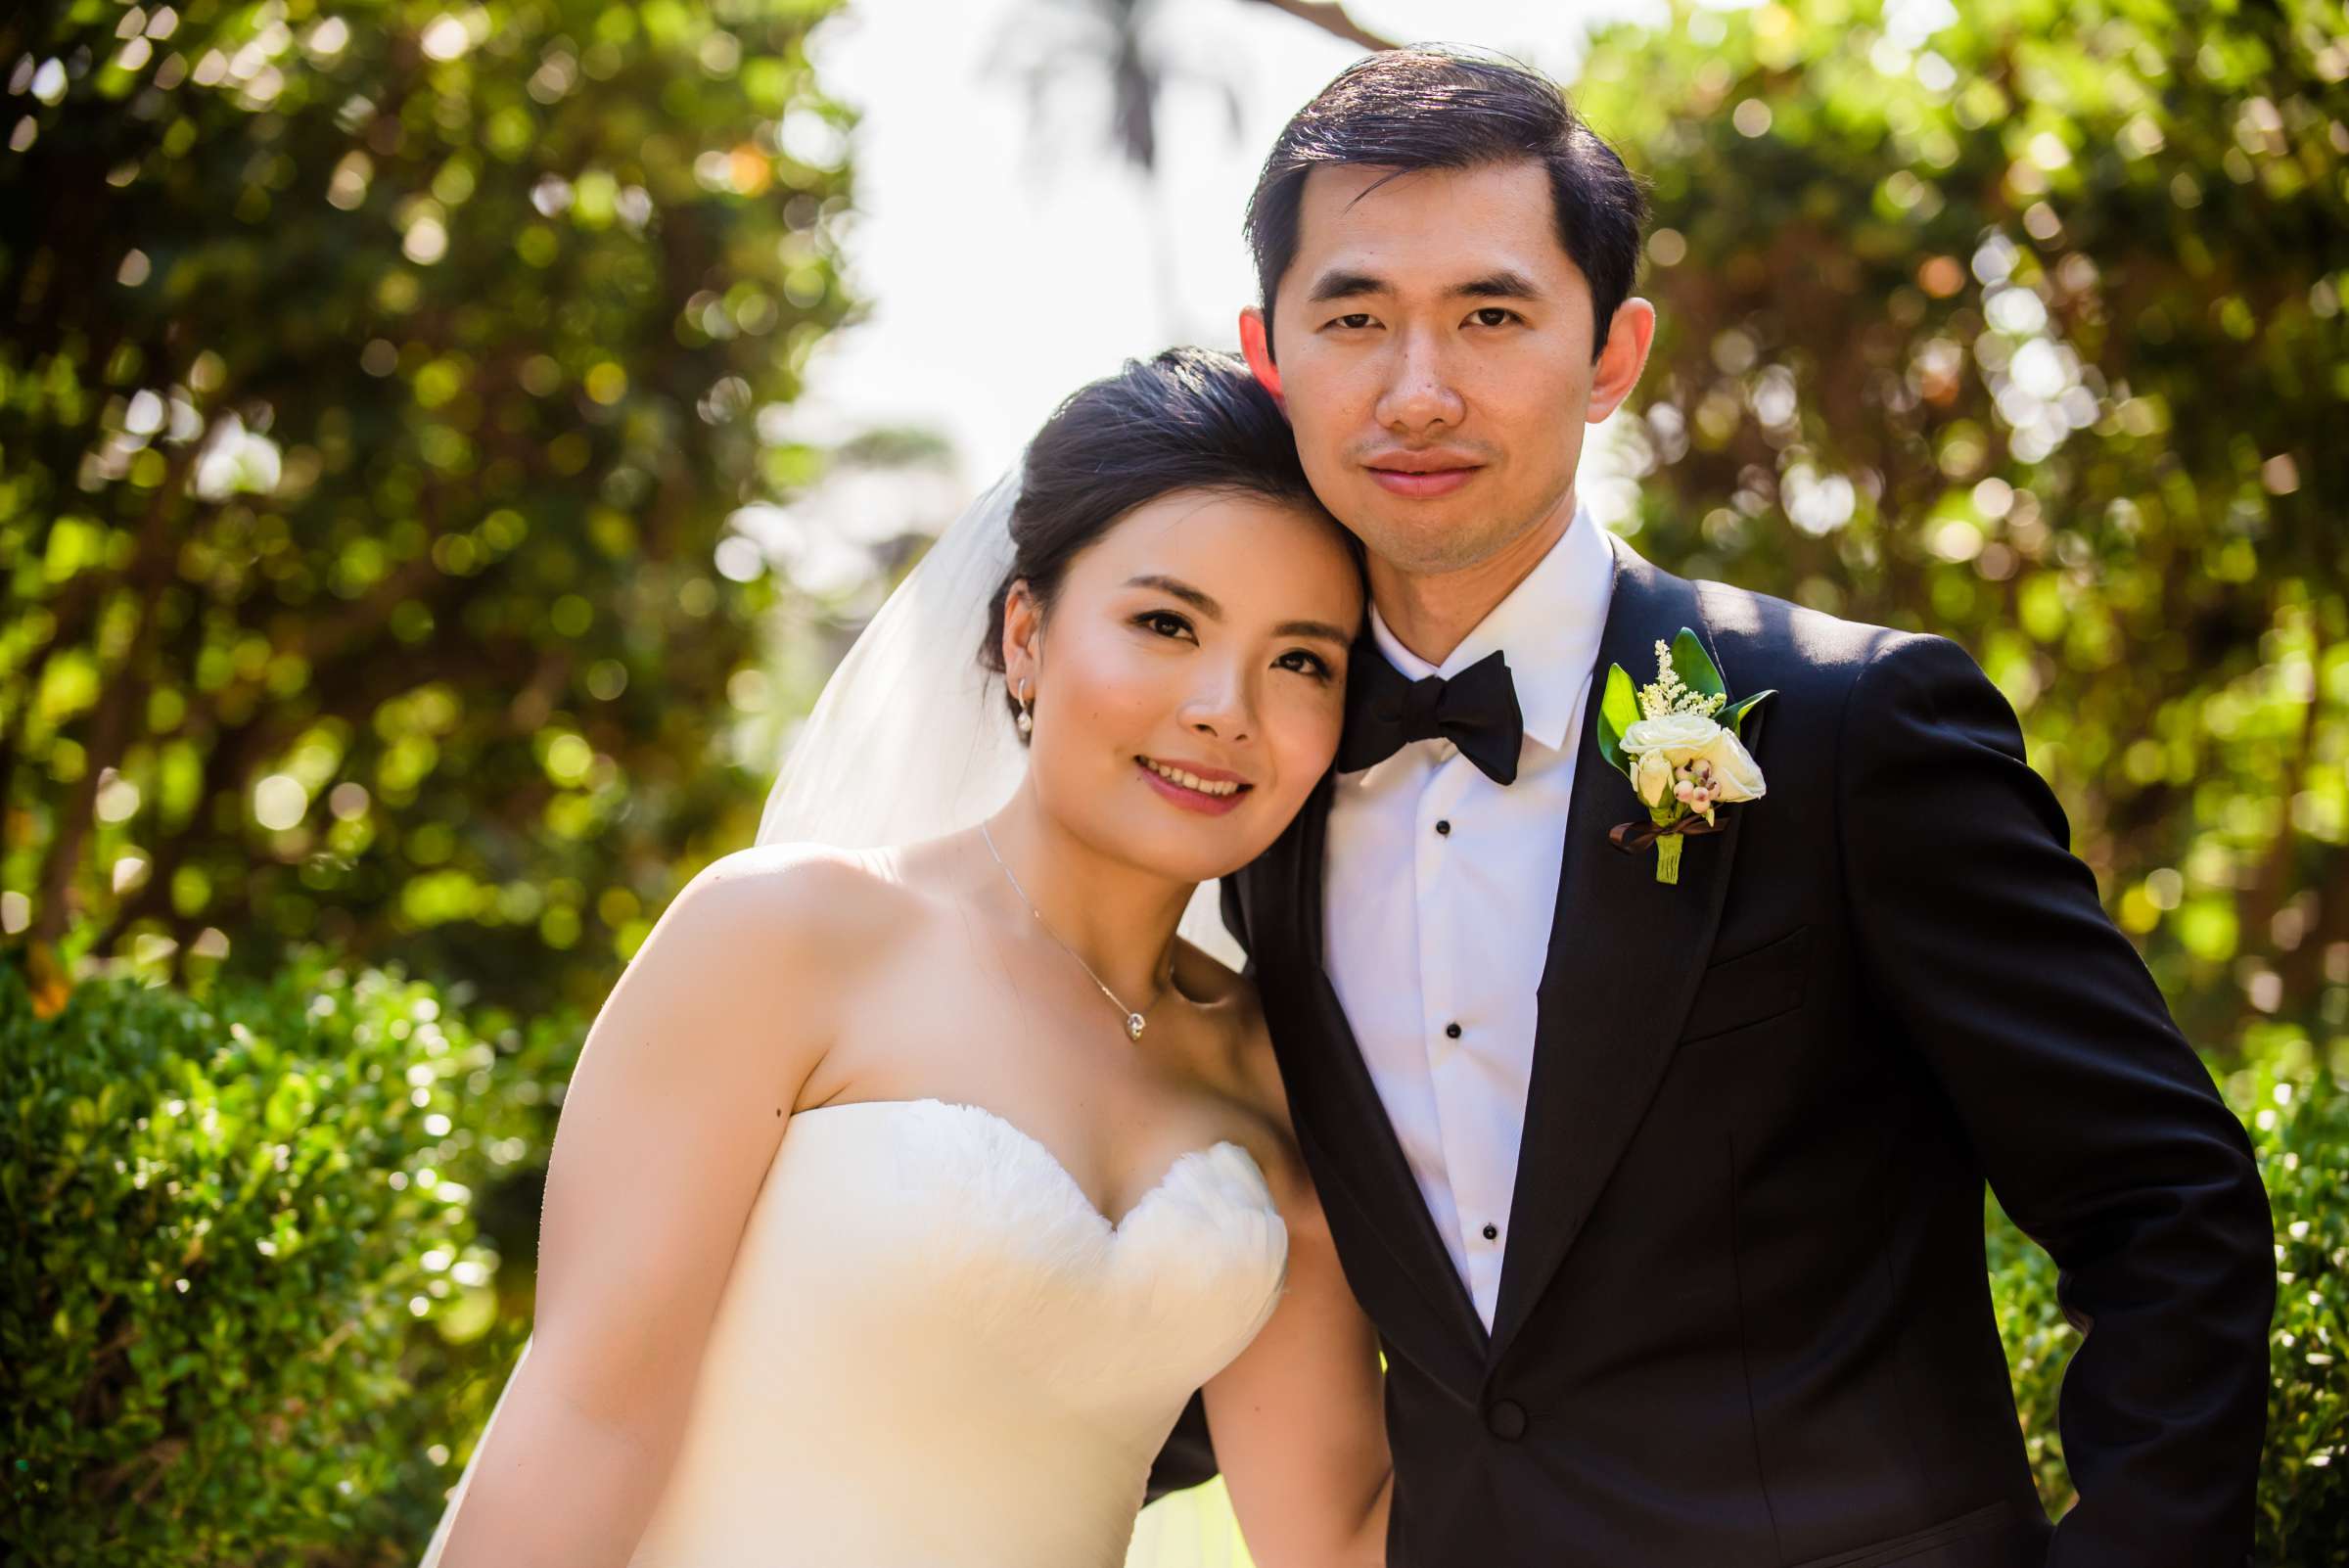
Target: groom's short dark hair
[{"x": 1436, "y": 108}]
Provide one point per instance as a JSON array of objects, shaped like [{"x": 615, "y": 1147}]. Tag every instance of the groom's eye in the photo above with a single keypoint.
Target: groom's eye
[
  {"x": 1495, "y": 316},
  {"x": 1359, "y": 319}
]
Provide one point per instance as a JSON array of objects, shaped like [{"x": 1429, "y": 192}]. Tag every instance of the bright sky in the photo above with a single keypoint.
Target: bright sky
[{"x": 1009, "y": 259}]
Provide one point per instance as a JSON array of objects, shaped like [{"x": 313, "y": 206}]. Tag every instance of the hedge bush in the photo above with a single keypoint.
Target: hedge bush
[
  {"x": 249, "y": 1313},
  {"x": 2298, "y": 1116},
  {"x": 253, "y": 1310}
]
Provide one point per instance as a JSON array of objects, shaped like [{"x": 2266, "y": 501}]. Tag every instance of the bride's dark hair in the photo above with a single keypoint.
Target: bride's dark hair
[{"x": 1185, "y": 419}]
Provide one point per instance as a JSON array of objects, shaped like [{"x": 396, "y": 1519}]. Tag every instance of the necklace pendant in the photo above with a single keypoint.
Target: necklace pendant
[{"x": 1134, "y": 1025}]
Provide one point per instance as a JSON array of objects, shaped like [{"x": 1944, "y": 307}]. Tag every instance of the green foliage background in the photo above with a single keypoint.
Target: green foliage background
[{"x": 377, "y": 380}]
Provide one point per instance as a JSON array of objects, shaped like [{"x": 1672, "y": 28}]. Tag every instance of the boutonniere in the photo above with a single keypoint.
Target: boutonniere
[{"x": 1677, "y": 740}]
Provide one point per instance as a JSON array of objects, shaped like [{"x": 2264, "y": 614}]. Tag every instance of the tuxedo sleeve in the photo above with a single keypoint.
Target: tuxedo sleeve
[{"x": 1983, "y": 939}]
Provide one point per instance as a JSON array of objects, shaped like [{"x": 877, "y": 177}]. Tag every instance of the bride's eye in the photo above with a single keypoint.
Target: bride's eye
[
  {"x": 1165, "y": 622},
  {"x": 1305, "y": 662}
]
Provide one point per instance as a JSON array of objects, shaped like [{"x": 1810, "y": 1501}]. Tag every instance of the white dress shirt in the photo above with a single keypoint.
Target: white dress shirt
[{"x": 1438, "y": 892}]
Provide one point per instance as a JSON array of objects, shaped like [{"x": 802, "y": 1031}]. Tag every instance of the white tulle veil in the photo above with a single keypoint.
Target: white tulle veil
[{"x": 911, "y": 737}]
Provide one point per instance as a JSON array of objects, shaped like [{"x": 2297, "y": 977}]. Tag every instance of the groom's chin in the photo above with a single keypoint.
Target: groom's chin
[{"x": 1424, "y": 538}]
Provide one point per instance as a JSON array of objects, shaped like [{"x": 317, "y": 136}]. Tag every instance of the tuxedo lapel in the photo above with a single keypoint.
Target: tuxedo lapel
[
  {"x": 1626, "y": 952},
  {"x": 1336, "y": 1104}
]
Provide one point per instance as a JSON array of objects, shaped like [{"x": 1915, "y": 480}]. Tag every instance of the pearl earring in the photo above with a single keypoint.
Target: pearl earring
[{"x": 1026, "y": 722}]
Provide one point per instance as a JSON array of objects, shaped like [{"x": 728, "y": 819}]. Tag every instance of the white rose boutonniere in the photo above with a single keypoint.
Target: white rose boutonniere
[{"x": 1677, "y": 740}]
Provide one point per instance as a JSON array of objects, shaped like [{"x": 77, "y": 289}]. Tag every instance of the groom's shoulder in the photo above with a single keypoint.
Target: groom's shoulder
[{"x": 1764, "y": 641}]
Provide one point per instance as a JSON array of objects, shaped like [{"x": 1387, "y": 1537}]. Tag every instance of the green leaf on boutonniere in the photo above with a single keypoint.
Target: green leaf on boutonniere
[
  {"x": 1618, "y": 710},
  {"x": 1732, "y": 717},
  {"x": 1694, "y": 665}
]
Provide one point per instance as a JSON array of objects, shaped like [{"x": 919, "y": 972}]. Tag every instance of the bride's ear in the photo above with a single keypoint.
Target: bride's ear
[
  {"x": 1023, "y": 634},
  {"x": 1256, "y": 347}
]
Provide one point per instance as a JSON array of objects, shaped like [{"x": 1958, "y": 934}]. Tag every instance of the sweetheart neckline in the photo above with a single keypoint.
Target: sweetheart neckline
[{"x": 1117, "y": 1227}]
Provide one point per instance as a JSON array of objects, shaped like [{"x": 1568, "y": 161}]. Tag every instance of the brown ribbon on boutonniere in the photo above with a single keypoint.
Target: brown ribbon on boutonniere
[{"x": 1634, "y": 837}]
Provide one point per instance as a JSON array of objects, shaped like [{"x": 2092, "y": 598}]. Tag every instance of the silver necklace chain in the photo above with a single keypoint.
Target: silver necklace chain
[{"x": 1133, "y": 1020}]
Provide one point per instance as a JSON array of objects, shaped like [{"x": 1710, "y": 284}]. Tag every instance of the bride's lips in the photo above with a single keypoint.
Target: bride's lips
[
  {"x": 1182, "y": 795},
  {"x": 1422, "y": 476}
]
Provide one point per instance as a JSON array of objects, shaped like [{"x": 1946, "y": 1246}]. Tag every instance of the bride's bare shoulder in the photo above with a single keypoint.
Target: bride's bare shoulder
[
  {"x": 802, "y": 870},
  {"x": 1204, "y": 978},
  {"x": 1246, "y": 1071},
  {"x": 790, "y": 910},
  {"x": 1227, "y": 998}
]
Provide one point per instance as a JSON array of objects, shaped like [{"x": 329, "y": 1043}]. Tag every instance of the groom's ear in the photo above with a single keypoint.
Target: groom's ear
[
  {"x": 1256, "y": 347},
  {"x": 1617, "y": 371}
]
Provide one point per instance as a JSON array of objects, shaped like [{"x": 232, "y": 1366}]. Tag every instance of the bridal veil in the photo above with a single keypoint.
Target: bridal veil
[{"x": 911, "y": 737}]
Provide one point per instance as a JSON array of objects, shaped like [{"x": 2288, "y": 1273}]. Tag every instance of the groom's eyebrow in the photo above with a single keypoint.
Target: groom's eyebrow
[
  {"x": 1502, "y": 283},
  {"x": 1339, "y": 284}
]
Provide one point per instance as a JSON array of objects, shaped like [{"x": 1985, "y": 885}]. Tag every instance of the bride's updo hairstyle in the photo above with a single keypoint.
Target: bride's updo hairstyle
[{"x": 1185, "y": 419}]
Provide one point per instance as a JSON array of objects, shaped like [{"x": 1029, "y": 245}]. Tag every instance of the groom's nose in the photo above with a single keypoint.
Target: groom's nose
[{"x": 1418, "y": 394}]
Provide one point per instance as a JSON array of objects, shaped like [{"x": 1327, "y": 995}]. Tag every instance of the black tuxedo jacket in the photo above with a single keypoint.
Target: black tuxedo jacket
[{"x": 1745, "y": 1319}]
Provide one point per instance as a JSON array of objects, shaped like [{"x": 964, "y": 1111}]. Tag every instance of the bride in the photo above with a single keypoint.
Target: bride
[{"x": 906, "y": 1190}]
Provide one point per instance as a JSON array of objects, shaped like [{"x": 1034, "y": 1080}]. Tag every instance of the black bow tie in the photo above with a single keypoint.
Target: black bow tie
[{"x": 1475, "y": 710}]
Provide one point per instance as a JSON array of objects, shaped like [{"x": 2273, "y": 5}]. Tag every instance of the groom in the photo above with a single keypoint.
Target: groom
[{"x": 1667, "y": 1199}]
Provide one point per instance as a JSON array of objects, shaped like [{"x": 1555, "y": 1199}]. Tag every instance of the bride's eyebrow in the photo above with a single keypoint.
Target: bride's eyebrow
[
  {"x": 1204, "y": 602},
  {"x": 1196, "y": 598}
]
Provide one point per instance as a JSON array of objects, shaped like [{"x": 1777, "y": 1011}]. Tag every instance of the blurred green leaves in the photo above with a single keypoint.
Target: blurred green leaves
[
  {"x": 375, "y": 389},
  {"x": 2023, "y": 323}
]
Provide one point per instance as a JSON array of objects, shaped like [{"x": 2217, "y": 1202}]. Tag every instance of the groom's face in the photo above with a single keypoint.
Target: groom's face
[{"x": 1432, "y": 343}]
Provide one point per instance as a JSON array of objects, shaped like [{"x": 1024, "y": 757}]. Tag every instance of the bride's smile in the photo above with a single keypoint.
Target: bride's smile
[{"x": 1195, "y": 787}]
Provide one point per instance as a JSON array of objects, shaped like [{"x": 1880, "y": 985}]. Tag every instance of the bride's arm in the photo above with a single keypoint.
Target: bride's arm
[
  {"x": 1298, "y": 1418},
  {"x": 683, "y": 1092}
]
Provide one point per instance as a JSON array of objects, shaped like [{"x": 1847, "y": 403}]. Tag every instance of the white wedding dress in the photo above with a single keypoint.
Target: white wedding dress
[{"x": 933, "y": 1352}]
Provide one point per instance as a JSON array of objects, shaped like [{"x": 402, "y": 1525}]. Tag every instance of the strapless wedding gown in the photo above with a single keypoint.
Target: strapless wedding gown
[{"x": 933, "y": 1352}]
